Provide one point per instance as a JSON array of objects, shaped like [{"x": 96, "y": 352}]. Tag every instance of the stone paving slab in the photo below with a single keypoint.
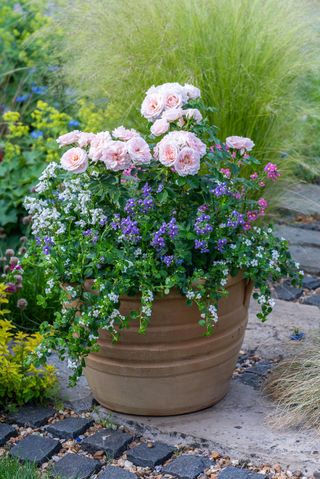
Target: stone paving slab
[
  {"x": 70, "y": 427},
  {"x": 313, "y": 300},
  {"x": 236, "y": 473},
  {"x": 146, "y": 456},
  {"x": 32, "y": 416},
  {"x": 75, "y": 466},
  {"x": 308, "y": 257},
  {"x": 114, "y": 472},
  {"x": 302, "y": 199},
  {"x": 6, "y": 432},
  {"x": 34, "y": 448},
  {"x": 299, "y": 236},
  {"x": 187, "y": 466},
  {"x": 114, "y": 443}
]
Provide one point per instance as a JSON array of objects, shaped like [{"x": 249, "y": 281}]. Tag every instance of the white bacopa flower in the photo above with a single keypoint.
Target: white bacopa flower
[
  {"x": 113, "y": 297},
  {"x": 190, "y": 294}
]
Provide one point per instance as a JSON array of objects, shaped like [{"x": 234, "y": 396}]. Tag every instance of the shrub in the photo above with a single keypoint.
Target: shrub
[
  {"x": 143, "y": 218},
  {"x": 28, "y": 146},
  {"x": 26, "y": 58},
  {"x": 27, "y": 309},
  {"x": 246, "y": 55},
  {"x": 20, "y": 380}
]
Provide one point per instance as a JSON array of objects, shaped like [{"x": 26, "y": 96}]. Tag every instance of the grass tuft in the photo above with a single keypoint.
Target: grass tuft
[
  {"x": 12, "y": 469},
  {"x": 295, "y": 386}
]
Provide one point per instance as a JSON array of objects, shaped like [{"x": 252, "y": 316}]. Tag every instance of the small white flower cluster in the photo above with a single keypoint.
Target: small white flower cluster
[
  {"x": 113, "y": 297},
  {"x": 213, "y": 313},
  {"x": 263, "y": 300}
]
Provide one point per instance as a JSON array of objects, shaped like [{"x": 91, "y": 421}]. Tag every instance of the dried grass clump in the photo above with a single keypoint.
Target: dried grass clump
[{"x": 295, "y": 386}]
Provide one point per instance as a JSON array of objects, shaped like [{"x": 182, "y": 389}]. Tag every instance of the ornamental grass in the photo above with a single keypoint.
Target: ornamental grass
[
  {"x": 295, "y": 386},
  {"x": 249, "y": 58}
]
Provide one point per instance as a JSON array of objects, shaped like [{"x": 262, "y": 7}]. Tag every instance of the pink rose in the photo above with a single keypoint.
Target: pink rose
[
  {"x": 68, "y": 138},
  {"x": 160, "y": 127},
  {"x": 115, "y": 156},
  {"x": 172, "y": 99},
  {"x": 240, "y": 143},
  {"x": 75, "y": 160},
  {"x": 98, "y": 144},
  {"x": 193, "y": 114},
  {"x": 196, "y": 144},
  {"x": 168, "y": 153},
  {"x": 173, "y": 114},
  {"x": 139, "y": 150},
  {"x": 188, "y": 162},
  {"x": 191, "y": 91},
  {"x": 152, "y": 106},
  {"x": 84, "y": 139},
  {"x": 124, "y": 134}
]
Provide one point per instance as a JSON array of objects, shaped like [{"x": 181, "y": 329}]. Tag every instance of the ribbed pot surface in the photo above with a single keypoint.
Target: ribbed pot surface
[{"x": 172, "y": 369}]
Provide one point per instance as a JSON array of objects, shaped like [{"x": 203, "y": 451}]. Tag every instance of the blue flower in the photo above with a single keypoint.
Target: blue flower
[
  {"x": 74, "y": 123},
  {"x": 38, "y": 90},
  {"x": 22, "y": 98},
  {"x": 36, "y": 134}
]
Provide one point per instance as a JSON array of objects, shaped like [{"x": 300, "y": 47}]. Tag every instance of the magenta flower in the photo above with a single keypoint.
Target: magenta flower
[
  {"x": 272, "y": 171},
  {"x": 263, "y": 203}
]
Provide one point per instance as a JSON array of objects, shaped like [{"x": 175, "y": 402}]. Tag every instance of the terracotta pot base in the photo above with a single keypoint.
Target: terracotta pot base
[{"x": 172, "y": 369}]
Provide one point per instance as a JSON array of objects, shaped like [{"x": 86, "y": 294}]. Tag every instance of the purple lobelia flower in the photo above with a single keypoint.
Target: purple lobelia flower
[
  {"x": 167, "y": 259},
  {"x": 202, "y": 245},
  {"x": 220, "y": 190},
  {"x": 202, "y": 226},
  {"x": 221, "y": 244},
  {"x": 130, "y": 230}
]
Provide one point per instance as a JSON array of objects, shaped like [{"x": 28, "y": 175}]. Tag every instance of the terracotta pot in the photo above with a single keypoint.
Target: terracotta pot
[{"x": 172, "y": 369}]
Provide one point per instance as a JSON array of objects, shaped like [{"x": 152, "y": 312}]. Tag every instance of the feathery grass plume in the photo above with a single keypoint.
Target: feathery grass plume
[
  {"x": 247, "y": 57},
  {"x": 295, "y": 386}
]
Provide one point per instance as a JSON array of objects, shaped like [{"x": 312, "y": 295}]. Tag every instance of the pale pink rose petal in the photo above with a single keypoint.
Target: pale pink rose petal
[
  {"x": 172, "y": 100},
  {"x": 152, "y": 106},
  {"x": 98, "y": 144},
  {"x": 139, "y": 150},
  {"x": 188, "y": 162},
  {"x": 173, "y": 114},
  {"x": 160, "y": 127},
  {"x": 75, "y": 160},
  {"x": 191, "y": 91},
  {"x": 195, "y": 143},
  {"x": 68, "y": 138},
  {"x": 115, "y": 156},
  {"x": 124, "y": 134},
  {"x": 84, "y": 139},
  {"x": 168, "y": 153},
  {"x": 240, "y": 143}
]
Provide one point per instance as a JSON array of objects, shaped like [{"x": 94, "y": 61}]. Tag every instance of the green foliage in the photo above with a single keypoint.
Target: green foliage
[
  {"x": 25, "y": 155},
  {"x": 247, "y": 57},
  {"x": 20, "y": 380},
  {"x": 11, "y": 468},
  {"x": 25, "y": 56},
  {"x": 26, "y": 312}
]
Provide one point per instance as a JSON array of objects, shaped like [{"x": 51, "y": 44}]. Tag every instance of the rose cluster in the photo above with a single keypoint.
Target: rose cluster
[
  {"x": 181, "y": 150},
  {"x": 163, "y": 105},
  {"x": 121, "y": 150}
]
